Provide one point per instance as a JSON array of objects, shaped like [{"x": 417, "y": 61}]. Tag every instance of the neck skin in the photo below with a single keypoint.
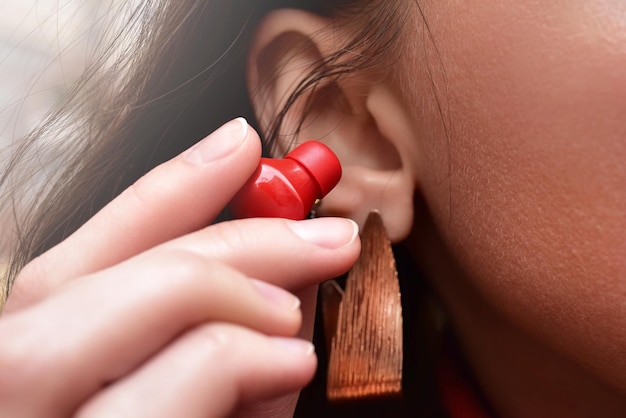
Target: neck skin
[{"x": 519, "y": 376}]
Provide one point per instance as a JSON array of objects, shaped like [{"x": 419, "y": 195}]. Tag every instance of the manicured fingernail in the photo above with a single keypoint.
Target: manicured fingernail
[
  {"x": 276, "y": 295},
  {"x": 219, "y": 144},
  {"x": 295, "y": 345},
  {"x": 329, "y": 233}
]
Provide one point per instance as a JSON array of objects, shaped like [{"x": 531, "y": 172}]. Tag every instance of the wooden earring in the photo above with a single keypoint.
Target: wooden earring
[{"x": 365, "y": 358}]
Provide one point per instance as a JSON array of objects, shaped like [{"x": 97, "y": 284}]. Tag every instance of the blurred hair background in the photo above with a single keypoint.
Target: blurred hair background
[{"x": 44, "y": 47}]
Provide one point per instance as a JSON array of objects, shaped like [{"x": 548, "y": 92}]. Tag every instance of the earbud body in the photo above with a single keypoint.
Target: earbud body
[{"x": 288, "y": 188}]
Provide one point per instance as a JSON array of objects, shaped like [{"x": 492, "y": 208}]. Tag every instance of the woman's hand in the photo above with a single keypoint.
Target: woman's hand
[{"x": 144, "y": 311}]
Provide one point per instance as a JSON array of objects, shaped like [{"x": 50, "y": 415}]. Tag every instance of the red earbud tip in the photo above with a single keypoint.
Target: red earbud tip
[{"x": 320, "y": 161}]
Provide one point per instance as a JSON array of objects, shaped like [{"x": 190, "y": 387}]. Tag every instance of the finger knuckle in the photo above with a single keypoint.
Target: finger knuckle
[
  {"x": 218, "y": 339},
  {"x": 29, "y": 271},
  {"x": 19, "y": 367},
  {"x": 139, "y": 193},
  {"x": 32, "y": 272},
  {"x": 231, "y": 235},
  {"x": 186, "y": 265}
]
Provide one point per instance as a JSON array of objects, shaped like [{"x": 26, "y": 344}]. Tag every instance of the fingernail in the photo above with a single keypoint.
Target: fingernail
[
  {"x": 219, "y": 144},
  {"x": 276, "y": 295},
  {"x": 332, "y": 233},
  {"x": 295, "y": 345}
]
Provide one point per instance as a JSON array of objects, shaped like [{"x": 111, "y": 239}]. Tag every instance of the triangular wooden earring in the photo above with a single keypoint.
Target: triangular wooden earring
[{"x": 365, "y": 357}]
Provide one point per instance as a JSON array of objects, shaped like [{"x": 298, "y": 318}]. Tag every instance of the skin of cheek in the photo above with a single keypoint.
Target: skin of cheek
[{"x": 522, "y": 162}]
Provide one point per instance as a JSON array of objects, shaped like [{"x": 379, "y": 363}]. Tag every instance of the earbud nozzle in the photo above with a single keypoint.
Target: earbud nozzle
[{"x": 321, "y": 162}]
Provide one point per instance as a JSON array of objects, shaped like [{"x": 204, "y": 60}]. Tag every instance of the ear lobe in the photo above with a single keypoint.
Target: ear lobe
[{"x": 356, "y": 115}]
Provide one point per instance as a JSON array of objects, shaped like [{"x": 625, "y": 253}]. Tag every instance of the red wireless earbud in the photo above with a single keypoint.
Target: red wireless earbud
[{"x": 288, "y": 188}]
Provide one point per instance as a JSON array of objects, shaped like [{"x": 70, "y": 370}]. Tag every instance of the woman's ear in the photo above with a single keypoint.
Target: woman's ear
[{"x": 360, "y": 115}]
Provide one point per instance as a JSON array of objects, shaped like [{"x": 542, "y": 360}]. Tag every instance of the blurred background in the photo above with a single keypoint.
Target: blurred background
[{"x": 44, "y": 47}]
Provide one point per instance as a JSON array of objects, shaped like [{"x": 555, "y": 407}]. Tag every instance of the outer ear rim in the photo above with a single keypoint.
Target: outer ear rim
[{"x": 273, "y": 25}]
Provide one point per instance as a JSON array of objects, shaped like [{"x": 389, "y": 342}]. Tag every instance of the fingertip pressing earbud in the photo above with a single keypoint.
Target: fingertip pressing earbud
[{"x": 288, "y": 188}]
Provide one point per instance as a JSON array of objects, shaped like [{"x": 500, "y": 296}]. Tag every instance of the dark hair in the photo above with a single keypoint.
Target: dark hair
[{"x": 172, "y": 74}]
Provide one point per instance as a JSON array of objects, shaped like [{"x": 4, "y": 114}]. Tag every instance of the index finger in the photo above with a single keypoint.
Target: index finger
[{"x": 177, "y": 197}]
